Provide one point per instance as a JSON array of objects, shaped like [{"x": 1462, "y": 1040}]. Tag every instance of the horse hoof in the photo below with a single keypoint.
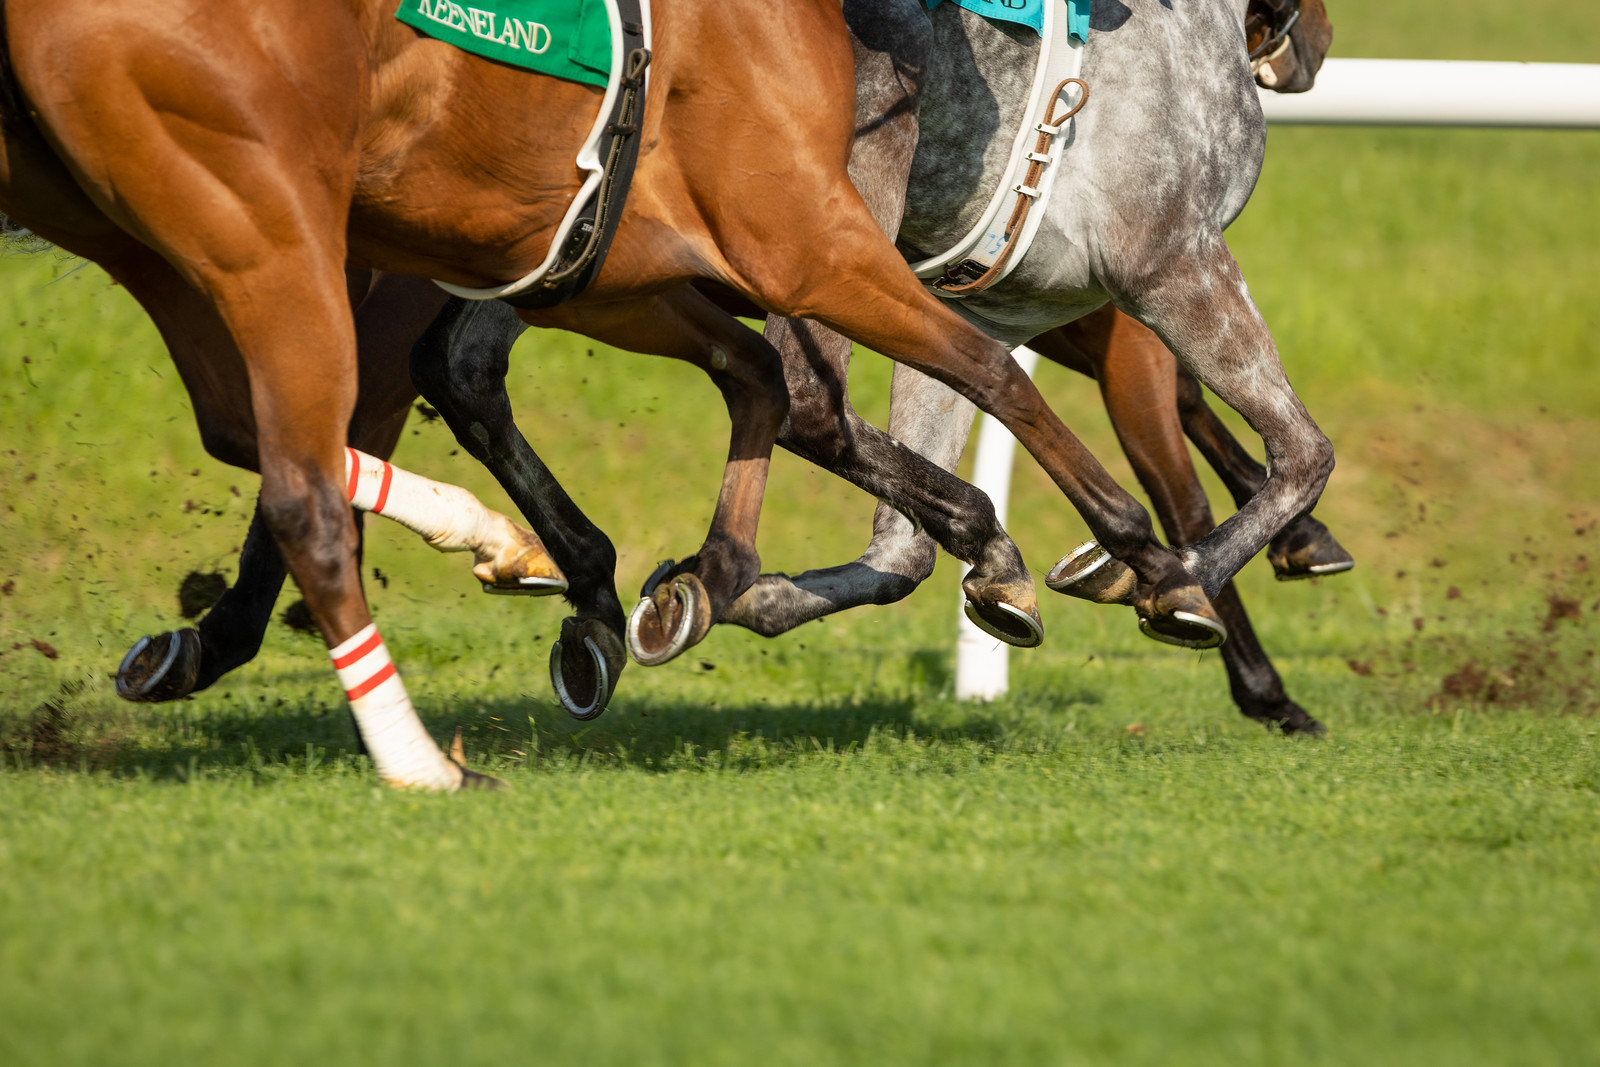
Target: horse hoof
[
  {"x": 1184, "y": 629},
  {"x": 1178, "y": 613},
  {"x": 521, "y": 568},
  {"x": 534, "y": 586},
  {"x": 160, "y": 668},
  {"x": 1306, "y": 549},
  {"x": 585, "y": 675},
  {"x": 1304, "y": 726},
  {"x": 672, "y": 618},
  {"x": 1005, "y": 622},
  {"x": 1092, "y": 573}
]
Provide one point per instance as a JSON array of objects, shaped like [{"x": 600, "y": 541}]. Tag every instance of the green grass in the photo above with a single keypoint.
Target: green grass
[{"x": 803, "y": 850}]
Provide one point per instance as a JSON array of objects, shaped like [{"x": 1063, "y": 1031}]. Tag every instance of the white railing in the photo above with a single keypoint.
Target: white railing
[
  {"x": 1349, "y": 92},
  {"x": 1423, "y": 92}
]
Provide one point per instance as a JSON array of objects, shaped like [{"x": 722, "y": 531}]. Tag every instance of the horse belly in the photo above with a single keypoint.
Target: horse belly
[{"x": 466, "y": 167}]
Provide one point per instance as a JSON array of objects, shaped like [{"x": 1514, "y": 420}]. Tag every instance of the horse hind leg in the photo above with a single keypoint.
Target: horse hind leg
[
  {"x": 1141, "y": 394},
  {"x": 921, "y": 503},
  {"x": 460, "y": 364},
  {"x": 1303, "y": 549},
  {"x": 1203, "y": 312}
]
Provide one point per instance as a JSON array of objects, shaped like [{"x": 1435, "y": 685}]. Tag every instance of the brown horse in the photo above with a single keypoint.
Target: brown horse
[{"x": 225, "y": 168}]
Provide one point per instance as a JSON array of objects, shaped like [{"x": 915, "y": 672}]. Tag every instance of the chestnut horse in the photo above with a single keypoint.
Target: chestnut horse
[{"x": 225, "y": 168}]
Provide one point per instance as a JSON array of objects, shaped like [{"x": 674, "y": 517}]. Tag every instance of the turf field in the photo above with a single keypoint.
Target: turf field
[{"x": 804, "y": 850}]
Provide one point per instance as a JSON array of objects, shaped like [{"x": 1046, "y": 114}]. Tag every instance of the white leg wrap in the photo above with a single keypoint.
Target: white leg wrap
[
  {"x": 405, "y": 754},
  {"x": 448, "y": 517}
]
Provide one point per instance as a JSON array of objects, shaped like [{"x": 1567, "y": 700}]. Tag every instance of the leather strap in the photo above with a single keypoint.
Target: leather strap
[
  {"x": 590, "y": 237},
  {"x": 955, "y": 280}
]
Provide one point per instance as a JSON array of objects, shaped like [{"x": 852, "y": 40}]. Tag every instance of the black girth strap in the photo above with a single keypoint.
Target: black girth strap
[{"x": 590, "y": 238}]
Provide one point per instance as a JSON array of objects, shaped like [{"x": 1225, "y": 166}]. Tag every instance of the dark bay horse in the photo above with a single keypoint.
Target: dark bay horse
[{"x": 225, "y": 166}]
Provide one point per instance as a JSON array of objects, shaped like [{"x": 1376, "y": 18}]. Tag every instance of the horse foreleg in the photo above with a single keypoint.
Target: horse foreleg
[
  {"x": 1203, "y": 311},
  {"x": 682, "y": 600},
  {"x": 507, "y": 557},
  {"x": 1303, "y": 549},
  {"x": 1135, "y": 373},
  {"x": 460, "y": 365}
]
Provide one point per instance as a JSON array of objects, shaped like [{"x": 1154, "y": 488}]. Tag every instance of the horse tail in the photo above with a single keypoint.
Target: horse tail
[{"x": 11, "y": 109}]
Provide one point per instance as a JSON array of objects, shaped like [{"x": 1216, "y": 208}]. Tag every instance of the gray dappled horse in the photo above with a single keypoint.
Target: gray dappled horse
[{"x": 1160, "y": 163}]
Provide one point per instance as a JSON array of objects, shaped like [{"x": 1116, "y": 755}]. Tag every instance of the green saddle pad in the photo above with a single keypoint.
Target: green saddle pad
[{"x": 566, "y": 38}]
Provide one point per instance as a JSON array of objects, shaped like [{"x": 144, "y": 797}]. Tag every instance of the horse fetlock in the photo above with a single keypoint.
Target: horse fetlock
[
  {"x": 970, "y": 532},
  {"x": 1002, "y": 561},
  {"x": 1284, "y": 716},
  {"x": 726, "y": 569}
]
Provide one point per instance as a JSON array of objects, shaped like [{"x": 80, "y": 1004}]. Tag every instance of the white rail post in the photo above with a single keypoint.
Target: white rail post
[
  {"x": 1443, "y": 92},
  {"x": 981, "y": 661}
]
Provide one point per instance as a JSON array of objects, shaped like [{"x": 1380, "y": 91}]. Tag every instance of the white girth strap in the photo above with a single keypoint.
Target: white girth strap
[{"x": 1060, "y": 59}]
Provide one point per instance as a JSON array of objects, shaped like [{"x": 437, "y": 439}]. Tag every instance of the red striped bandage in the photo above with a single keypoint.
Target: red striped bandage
[
  {"x": 368, "y": 480},
  {"x": 363, "y": 663},
  {"x": 401, "y": 748},
  {"x": 448, "y": 517}
]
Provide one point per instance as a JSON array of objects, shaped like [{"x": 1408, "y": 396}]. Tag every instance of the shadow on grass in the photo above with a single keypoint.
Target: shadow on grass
[{"x": 80, "y": 732}]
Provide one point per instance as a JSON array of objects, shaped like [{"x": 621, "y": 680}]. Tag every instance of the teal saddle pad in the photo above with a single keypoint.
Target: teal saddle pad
[
  {"x": 1029, "y": 13},
  {"x": 568, "y": 39}
]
